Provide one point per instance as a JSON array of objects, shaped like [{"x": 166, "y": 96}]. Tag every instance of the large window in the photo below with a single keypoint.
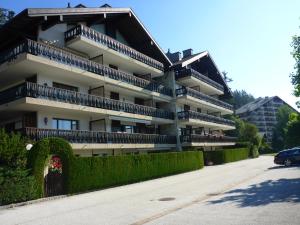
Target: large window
[
  {"x": 65, "y": 86},
  {"x": 65, "y": 124}
]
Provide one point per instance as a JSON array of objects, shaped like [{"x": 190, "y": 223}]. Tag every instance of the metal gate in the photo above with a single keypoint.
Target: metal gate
[{"x": 54, "y": 179}]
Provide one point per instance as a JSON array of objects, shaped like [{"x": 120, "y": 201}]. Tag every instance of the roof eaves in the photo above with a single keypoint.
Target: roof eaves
[{"x": 145, "y": 29}]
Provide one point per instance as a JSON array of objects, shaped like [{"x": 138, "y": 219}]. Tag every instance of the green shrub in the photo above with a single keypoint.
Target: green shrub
[
  {"x": 39, "y": 156},
  {"x": 12, "y": 150},
  {"x": 266, "y": 150},
  {"x": 254, "y": 151},
  {"x": 16, "y": 186},
  {"x": 100, "y": 172},
  {"x": 226, "y": 155}
]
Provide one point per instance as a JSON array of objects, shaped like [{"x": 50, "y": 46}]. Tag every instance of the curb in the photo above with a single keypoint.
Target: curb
[{"x": 13, "y": 205}]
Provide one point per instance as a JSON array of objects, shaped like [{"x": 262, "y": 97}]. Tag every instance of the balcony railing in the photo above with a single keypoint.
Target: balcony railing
[
  {"x": 185, "y": 115},
  {"x": 111, "y": 43},
  {"x": 78, "y": 136},
  {"x": 206, "y": 138},
  {"x": 196, "y": 94},
  {"x": 190, "y": 72},
  {"x": 67, "y": 58},
  {"x": 62, "y": 95}
]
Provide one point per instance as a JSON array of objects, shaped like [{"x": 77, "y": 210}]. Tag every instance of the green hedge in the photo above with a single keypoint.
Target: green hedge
[
  {"x": 88, "y": 173},
  {"x": 39, "y": 156},
  {"x": 226, "y": 155},
  {"x": 16, "y": 185},
  {"x": 100, "y": 172}
]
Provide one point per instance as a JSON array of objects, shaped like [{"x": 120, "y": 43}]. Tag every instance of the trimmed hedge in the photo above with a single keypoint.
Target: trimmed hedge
[
  {"x": 226, "y": 155},
  {"x": 38, "y": 158},
  {"x": 100, "y": 172},
  {"x": 16, "y": 186},
  {"x": 87, "y": 173}
]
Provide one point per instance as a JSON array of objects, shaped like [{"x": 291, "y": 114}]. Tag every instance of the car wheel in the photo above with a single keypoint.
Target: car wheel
[{"x": 287, "y": 162}]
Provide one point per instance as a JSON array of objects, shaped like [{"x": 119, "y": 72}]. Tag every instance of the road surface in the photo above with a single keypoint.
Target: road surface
[{"x": 253, "y": 191}]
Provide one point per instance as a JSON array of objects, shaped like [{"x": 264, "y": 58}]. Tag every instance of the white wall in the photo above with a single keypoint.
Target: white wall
[
  {"x": 41, "y": 115},
  {"x": 54, "y": 34}
]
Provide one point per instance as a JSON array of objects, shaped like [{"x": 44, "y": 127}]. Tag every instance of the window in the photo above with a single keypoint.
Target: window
[
  {"x": 113, "y": 66},
  {"x": 128, "y": 129},
  {"x": 139, "y": 101},
  {"x": 65, "y": 124},
  {"x": 115, "y": 126},
  {"x": 64, "y": 86},
  {"x": 186, "y": 107},
  {"x": 114, "y": 95}
]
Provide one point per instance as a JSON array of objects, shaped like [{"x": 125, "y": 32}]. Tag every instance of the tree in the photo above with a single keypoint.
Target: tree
[
  {"x": 241, "y": 98},
  {"x": 5, "y": 15},
  {"x": 245, "y": 132},
  {"x": 280, "y": 129},
  {"x": 296, "y": 74},
  {"x": 293, "y": 131}
]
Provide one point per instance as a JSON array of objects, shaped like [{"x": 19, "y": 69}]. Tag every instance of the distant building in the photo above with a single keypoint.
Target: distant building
[{"x": 262, "y": 113}]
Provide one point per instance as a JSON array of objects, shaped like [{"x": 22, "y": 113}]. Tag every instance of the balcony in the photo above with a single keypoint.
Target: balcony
[
  {"x": 33, "y": 90},
  {"x": 184, "y": 94},
  {"x": 190, "y": 77},
  {"x": 102, "y": 139},
  {"x": 196, "y": 118},
  {"x": 93, "y": 43},
  {"x": 106, "y": 74},
  {"x": 206, "y": 140}
]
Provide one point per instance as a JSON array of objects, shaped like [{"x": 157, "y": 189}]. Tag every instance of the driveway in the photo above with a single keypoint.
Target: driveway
[{"x": 253, "y": 191}]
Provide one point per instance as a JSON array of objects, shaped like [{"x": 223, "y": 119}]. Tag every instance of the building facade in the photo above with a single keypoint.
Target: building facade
[
  {"x": 96, "y": 77},
  {"x": 262, "y": 113}
]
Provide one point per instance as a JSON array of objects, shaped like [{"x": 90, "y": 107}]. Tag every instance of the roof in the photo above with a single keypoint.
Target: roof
[
  {"x": 197, "y": 57},
  {"x": 257, "y": 104},
  {"x": 29, "y": 19}
]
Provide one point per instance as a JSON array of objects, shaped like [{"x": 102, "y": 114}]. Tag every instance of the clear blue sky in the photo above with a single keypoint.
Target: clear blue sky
[{"x": 248, "y": 39}]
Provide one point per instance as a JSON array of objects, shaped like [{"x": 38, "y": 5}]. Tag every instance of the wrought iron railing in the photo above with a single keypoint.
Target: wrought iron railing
[
  {"x": 190, "y": 72},
  {"x": 62, "y": 95},
  {"x": 67, "y": 58},
  {"x": 196, "y": 94},
  {"x": 206, "y": 138},
  {"x": 185, "y": 115},
  {"x": 79, "y": 136},
  {"x": 111, "y": 43}
]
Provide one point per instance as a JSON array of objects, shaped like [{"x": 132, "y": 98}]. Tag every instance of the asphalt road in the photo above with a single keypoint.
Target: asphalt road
[{"x": 250, "y": 192}]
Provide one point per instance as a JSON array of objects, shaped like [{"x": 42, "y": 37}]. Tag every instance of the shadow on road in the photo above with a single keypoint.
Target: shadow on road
[
  {"x": 264, "y": 193},
  {"x": 284, "y": 167}
]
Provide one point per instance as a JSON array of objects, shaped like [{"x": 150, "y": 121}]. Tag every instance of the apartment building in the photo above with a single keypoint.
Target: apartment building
[
  {"x": 96, "y": 77},
  {"x": 262, "y": 113}
]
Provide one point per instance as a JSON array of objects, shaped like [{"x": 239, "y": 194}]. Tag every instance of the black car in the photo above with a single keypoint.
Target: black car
[{"x": 288, "y": 157}]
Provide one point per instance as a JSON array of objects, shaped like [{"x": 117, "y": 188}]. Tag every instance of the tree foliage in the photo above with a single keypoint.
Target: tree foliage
[
  {"x": 293, "y": 130},
  {"x": 245, "y": 132},
  {"x": 280, "y": 129},
  {"x": 5, "y": 15},
  {"x": 16, "y": 183},
  {"x": 296, "y": 74},
  {"x": 12, "y": 150},
  {"x": 240, "y": 98}
]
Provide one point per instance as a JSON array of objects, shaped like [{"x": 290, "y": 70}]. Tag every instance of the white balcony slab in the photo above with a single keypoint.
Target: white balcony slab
[
  {"x": 186, "y": 99},
  {"x": 36, "y": 104},
  {"x": 26, "y": 65},
  {"x": 198, "y": 122},
  {"x": 207, "y": 144},
  {"x": 191, "y": 81},
  {"x": 81, "y": 147},
  {"x": 93, "y": 49}
]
